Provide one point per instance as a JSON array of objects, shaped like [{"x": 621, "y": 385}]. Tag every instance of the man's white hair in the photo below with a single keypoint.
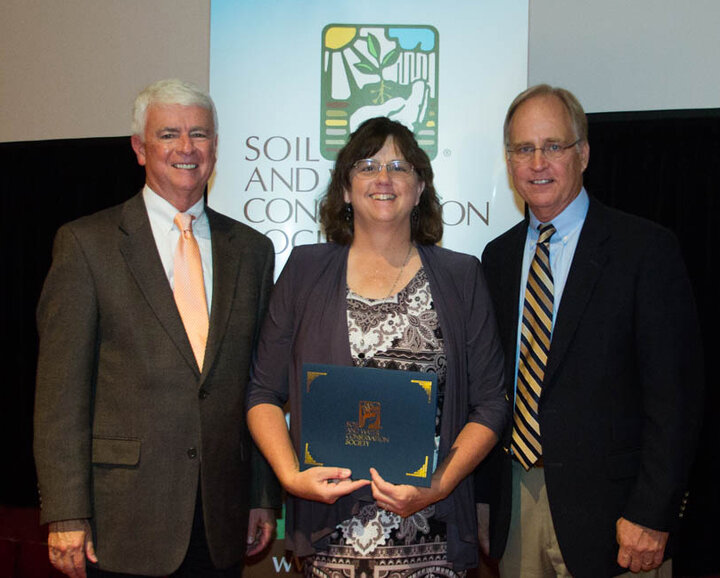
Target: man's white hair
[{"x": 169, "y": 91}]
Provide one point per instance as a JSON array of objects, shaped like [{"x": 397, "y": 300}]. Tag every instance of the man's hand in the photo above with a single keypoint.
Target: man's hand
[
  {"x": 69, "y": 542},
  {"x": 641, "y": 548},
  {"x": 261, "y": 526}
]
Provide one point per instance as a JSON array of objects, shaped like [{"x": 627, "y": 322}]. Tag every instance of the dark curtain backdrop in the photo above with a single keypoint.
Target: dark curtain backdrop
[
  {"x": 660, "y": 165},
  {"x": 44, "y": 184}
]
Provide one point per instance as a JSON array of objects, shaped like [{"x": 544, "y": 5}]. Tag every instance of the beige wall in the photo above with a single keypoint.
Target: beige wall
[
  {"x": 620, "y": 55},
  {"x": 71, "y": 68}
]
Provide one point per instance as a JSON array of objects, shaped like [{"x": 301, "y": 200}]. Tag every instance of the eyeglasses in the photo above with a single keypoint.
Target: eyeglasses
[
  {"x": 370, "y": 168},
  {"x": 553, "y": 151}
]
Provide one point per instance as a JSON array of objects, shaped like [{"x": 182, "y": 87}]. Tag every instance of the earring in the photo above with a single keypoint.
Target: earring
[
  {"x": 414, "y": 216},
  {"x": 348, "y": 212}
]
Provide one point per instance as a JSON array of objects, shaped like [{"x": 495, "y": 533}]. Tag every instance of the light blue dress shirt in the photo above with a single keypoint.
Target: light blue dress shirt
[{"x": 563, "y": 243}]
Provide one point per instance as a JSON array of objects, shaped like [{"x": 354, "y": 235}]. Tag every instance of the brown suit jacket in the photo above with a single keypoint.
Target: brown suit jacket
[{"x": 125, "y": 424}]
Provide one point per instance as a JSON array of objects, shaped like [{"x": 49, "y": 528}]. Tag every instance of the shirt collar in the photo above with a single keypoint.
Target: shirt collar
[
  {"x": 566, "y": 222},
  {"x": 161, "y": 211}
]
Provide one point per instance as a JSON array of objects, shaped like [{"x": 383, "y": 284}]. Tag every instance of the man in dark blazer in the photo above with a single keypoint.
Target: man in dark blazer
[
  {"x": 144, "y": 461},
  {"x": 618, "y": 400}
]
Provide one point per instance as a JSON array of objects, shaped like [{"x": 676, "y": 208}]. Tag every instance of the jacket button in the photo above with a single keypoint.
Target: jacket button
[
  {"x": 203, "y": 393},
  {"x": 192, "y": 453}
]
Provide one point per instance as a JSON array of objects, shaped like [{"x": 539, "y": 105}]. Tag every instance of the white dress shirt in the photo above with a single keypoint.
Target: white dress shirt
[{"x": 162, "y": 215}]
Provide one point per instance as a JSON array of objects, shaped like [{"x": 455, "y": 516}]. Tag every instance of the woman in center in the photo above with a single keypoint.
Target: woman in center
[{"x": 381, "y": 294}]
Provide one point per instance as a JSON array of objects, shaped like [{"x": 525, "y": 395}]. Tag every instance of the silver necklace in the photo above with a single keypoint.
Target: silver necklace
[{"x": 407, "y": 259}]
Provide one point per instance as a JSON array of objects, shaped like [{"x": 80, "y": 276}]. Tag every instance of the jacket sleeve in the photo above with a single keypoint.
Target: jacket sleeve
[
  {"x": 669, "y": 358},
  {"x": 265, "y": 490},
  {"x": 269, "y": 378},
  {"x": 485, "y": 360},
  {"x": 67, "y": 324}
]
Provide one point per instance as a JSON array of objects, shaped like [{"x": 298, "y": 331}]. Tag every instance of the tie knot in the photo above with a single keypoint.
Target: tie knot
[
  {"x": 184, "y": 222},
  {"x": 546, "y": 231}
]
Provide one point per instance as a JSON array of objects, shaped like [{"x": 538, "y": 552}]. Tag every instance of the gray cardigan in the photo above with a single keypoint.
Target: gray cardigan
[{"x": 306, "y": 323}]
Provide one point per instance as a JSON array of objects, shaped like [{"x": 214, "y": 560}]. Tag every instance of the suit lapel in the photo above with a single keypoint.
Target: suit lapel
[
  {"x": 138, "y": 247},
  {"x": 510, "y": 275},
  {"x": 227, "y": 254},
  {"x": 586, "y": 268}
]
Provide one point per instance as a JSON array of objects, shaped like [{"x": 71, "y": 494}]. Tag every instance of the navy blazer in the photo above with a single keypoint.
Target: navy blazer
[{"x": 620, "y": 407}]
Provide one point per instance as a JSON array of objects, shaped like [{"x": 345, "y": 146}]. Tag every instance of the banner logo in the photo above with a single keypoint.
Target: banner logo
[{"x": 378, "y": 70}]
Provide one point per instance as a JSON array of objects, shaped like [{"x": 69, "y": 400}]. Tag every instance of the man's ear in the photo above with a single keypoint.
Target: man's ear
[
  {"x": 138, "y": 145},
  {"x": 584, "y": 154}
]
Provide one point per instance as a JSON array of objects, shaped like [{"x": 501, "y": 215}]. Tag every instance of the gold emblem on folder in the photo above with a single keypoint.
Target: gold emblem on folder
[{"x": 369, "y": 414}]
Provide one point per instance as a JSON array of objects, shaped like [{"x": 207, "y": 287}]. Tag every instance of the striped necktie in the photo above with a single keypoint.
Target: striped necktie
[
  {"x": 189, "y": 287},
  {"x": 534, "y": 349}
]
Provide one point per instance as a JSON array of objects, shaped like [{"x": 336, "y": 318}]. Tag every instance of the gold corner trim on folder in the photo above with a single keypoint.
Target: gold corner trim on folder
[
  {"x": 422, "y": 472},
  {"x": 426, "y": 385},
  {"x": 310, "y": 461},
  {"x": 312, "y": 376}
]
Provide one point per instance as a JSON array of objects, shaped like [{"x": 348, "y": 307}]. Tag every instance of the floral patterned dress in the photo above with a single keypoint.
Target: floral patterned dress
[{"x": 399, "y": 332}]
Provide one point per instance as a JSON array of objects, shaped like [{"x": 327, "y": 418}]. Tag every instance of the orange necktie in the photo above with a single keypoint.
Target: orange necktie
[{"x": 189, "y": 288}]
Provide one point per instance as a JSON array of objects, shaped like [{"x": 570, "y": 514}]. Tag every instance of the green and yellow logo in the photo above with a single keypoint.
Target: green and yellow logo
[{"x": 378, "y": 70}]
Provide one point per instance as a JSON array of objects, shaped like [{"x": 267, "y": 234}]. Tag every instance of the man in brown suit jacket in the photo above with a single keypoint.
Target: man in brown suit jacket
[{"x": 144, "y": 462}]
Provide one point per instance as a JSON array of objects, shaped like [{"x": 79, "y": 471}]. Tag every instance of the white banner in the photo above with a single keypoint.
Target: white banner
[{"x": 291, "y": 79}]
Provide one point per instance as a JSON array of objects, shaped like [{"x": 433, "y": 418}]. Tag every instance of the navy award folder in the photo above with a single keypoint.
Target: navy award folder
[{"x": 360, "y": 417}]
